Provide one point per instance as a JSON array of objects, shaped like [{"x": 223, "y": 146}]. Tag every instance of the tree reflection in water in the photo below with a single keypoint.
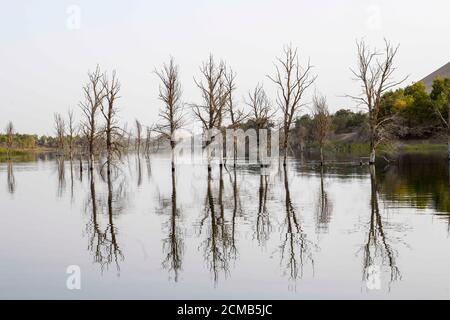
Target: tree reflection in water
[
  {"x": 103, "y": 242},
  {"x": 219, "y": 246},
  {"x": 377, "y": 250},
  {"x": 323, "y": 207},
  {"x": 139, "y": 170},
  {"x": 173, "y": 244},
  {"x": 295, "y": 247},
  {"x": 11, "y": 180},
  {"x": 263, "y": 225},
  {"x": 61, "y": 176}
]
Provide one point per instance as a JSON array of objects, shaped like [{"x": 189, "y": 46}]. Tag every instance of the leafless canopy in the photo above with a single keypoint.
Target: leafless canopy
[
  {"x": 321, "y": 119},
  {"x": 170, "y": 94},
  {"x": 60, "y": 128},
  {"x": 9, "y": 134},
  {"x": 237, "y": 115},
  {"x": 214, "y": 93},
  {"x": 260, "y": 106},
  {"x": 375, "y": 74},
  {"x": 138, "y": 141},
  {"x": 94, "y": 93},
  {"x": 292, "y": 80},
  {"x": 113, "y": 132},
  {"x": 71, "y": 130}
]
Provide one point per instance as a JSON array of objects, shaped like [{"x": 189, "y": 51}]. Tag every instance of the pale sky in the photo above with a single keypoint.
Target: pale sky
[{"x": 45, "y": 55}]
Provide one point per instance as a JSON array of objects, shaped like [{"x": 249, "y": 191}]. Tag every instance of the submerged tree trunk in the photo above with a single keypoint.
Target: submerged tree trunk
[
  {"x": 285, "y": 151},
  {"x": 448, "y": 132},
  {"x": 372, "y": 155},
  {"x": 372, "y": 145},
  {"x": 172, "y": 151},
  {"x": 321, "y": 156}
]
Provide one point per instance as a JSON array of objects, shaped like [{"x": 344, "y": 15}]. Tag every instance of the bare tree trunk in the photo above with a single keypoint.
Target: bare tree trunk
[
  {"x": 109, "y": 111},
  {"x": 215, "y": 94},
  {"x": 448, "y": 131},
  {"x": 71, "y": 127},
  {"x": 372, "y": 146},
  {"x": 292, "y": 80},
  {"x": 9, "y": 138},
  {"x": 138, "y": 136},
  {"x": 375, "y": 73},
  {"x": 285, "y": 148},
  {"x": 94, "y": 94},
  {"x": 321, "y": 156},
  {"x": 172, "y": 113},
  {"x": 321, "y": 122}
]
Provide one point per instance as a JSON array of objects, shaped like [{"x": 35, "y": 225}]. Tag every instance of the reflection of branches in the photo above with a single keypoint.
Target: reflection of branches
[
  {"x": 104, "y": 244},
  {"x": 377, "y": 244},
  {"x": 139, "y": 170},
  {"x": 324, "y": 207},
  {"x": 149, "y": 168},
  {"x": 237, "y": 208},
  {"x": 217, "y": 251},
  {"x": 173, "y": 244},
  {"x": 71, "y": 179},
  {"x": 263, "y": 226},
  {"x": 11, "y": 180},
  {"x": 295, "y": 245},
  {"x": 61, "y": 176}
]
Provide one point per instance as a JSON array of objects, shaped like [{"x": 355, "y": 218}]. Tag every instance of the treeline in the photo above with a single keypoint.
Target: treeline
[
  {"x": 387, "y": 113},
  {"x": 416, "y": 113},
  {"x": 21, "y": 141},
  {"x": 411, "y": 113},
  {"x": 32, "y": 141}
]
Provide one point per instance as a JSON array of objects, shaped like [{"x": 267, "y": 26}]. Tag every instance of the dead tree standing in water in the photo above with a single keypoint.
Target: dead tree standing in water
[
  {"x": 148, "y": 140},
  {"x": 237, "y": 116},
  {"x": 261, "y": 112},
  {"x": 60, "y": 127},
  {"x": 94, "y": 93},
  {"x": 292, "y": 81},
  {"x": 214, "y": 94},
  {"x": 172, "y": 111},
  {"x": 375, "y": 76},
  {"x": 138, "y": 141},
  {"x": 71, "y": 132},
  {"x": 109, "y": 112},
  {"x": 322, "y": 123},
  {"x": 9, "y": 137}
]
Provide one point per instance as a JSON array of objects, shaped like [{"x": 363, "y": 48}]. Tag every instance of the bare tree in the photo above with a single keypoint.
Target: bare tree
[
  {"x": 109, "y": 112},
  {"x": 261, "y": 111},
  {"x": 60, "y": 127},
  {"x": 292, "y": 81},
  {"x": 148, "y": 141},
  {"x": 71, "y": 131},
  {"x": 321, "y": 122},
  {"x": 9, "y": 136},
  {"x": 237, "y": 115},
  {"x": 375, "y": 74},
  {"x": 214, "y": 93},
  {"x": 138, "y": 141},
  {"x": 172, "y": 111},
  {"x": 94, "y": 93}
]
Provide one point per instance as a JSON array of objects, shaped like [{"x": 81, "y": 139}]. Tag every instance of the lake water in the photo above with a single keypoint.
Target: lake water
[{"x": 344, "y": 231}]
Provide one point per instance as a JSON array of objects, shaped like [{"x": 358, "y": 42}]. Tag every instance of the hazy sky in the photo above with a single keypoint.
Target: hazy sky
[{"x": 45, "y": 54}]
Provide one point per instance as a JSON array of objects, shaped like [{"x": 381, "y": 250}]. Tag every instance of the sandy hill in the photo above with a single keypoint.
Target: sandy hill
[{"x": 443, "y": 72}]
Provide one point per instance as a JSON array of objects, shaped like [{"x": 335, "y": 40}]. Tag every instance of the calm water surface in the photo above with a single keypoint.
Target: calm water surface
[{"x": 342, "y": 232}]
